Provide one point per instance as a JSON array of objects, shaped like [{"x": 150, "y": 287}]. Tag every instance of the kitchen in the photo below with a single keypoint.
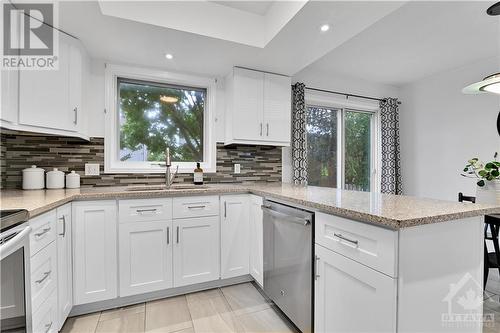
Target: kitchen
[{"x": 251, "y": 166}]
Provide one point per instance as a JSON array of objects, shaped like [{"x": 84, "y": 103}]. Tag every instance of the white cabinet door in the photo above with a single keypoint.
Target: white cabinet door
[
  {"x": 350, "y": 297},
  {"x": 64, "y": 264},
  {"x": 277, "y": 108},
  {"x": 145, "y": 253},
  {"x": 248, "y": 96},
  {"x": 94, "y": 251},
  {"x": 256, "y": 240},
  {"x": 52, "y": 98},
  {"x": 234, "y": 235},
  {"x": 196, "y": 250}
]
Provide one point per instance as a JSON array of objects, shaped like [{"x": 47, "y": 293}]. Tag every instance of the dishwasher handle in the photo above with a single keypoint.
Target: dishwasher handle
[{"x": 302, "y": 220}]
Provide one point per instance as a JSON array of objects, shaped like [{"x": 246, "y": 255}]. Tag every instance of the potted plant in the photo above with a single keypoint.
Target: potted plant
[{"x": 488, "y": 179}]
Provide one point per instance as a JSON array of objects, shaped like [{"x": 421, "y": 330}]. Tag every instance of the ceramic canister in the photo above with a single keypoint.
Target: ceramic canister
[
  {"x": 72, "y": 180},
  {"x": 55, "y": 179},
  {"x": 33, "y": 178}
]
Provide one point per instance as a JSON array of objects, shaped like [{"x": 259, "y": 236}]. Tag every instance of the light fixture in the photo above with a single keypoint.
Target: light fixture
[
  {"x": 169, "y": 99},
  {"x": 489, "y": 84},
  {"x": 494, "y": 10},
  {"x": 169, "y": 56},
  {"x": 324, "y": 28}
]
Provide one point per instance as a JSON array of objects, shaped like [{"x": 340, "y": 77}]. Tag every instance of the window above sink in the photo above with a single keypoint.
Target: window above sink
[{"x": 148, "y": 111}]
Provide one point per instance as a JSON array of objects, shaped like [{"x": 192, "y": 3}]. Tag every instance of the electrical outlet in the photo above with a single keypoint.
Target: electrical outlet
[
  {"x": 237, "y": 168},
  {"x": 91, "y": 169}
]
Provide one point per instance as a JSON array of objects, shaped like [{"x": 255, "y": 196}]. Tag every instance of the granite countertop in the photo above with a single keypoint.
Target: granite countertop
[{"x": 386, "y": 210}]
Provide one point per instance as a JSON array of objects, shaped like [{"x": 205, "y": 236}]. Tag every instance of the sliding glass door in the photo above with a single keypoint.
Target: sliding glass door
[{"x": 341, "y": 148}]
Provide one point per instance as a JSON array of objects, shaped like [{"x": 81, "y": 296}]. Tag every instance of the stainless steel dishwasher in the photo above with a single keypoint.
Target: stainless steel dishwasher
[{"x": 288, "y": 250}]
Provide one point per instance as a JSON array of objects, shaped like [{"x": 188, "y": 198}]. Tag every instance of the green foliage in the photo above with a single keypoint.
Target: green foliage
[
  {"x": 488, "y": 172},
  {"x": 148, "y": 121},
  {"x": 322, "y": 148}
]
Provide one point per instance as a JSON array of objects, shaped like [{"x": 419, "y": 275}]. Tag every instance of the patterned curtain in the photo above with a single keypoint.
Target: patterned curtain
[
  {"x": 391, "y": 156},
  {"x": 299, "y": 135}
]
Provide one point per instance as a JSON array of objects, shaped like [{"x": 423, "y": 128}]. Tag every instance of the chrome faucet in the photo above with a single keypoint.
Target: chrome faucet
[{"x": 169, "y": 176}]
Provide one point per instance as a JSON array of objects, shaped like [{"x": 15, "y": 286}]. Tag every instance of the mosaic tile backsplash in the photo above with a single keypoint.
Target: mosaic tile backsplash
[{"x": 19, "y": 151}]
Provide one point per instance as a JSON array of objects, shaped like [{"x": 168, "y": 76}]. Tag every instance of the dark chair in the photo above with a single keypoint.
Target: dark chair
[{"x": 491, "y": 222}]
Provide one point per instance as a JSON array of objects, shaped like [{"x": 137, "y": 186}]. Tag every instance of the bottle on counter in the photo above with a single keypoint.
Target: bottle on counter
[{"x": 198, "y": 174}]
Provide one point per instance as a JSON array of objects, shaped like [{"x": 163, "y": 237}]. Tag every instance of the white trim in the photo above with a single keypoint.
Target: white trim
[
  {"x": 342, "y": 104},
  {"x": 111, "y": 163}
]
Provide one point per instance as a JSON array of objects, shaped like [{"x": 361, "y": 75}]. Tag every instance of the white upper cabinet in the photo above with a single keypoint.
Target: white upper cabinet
[
  {"x": 48, "y": 101},
  {"x": 51, "y": 98},
  {"x": 258, "y": 108},
  {"x": 234, "y": 235},
  {"x": 94, "y": 251},
  {"x": 277, "y": 108}
]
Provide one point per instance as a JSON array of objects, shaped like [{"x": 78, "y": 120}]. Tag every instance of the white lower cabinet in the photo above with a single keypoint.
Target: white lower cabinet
[
  {"x": 64, "y": 264},
  {"x": 145, "y": 257},
  {"x": 94, "y": 251},
  {"x": 45, "y": 318},
  {"x": 196, "y": 250},
  {"x": 256, "y": 240},
  {"x": 235, "y": 241},
  {"x": 351, "y": 297}
]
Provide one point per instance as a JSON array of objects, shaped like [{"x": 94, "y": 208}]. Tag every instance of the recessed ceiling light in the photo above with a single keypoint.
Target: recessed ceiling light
[
  {"x": 325, "y": 28},
  {"x": 169, "y": 56},
  {"x": 169, "y": 99}
]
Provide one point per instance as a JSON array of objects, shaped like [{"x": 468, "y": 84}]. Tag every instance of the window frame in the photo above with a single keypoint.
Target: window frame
[
  {"x": 112, "y": 130},
  {"x": 341, "y": 106}
]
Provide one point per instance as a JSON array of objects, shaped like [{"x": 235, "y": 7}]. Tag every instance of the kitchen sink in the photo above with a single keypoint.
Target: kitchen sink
[{"x": 164, "y": 187}]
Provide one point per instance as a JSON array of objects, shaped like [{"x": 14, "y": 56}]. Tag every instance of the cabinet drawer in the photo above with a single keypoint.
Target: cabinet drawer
[
  {"x": 45, "y": 318},
  {"x": 137, "y": 210},
  {"x": 43, "y": 231},
  {"x": 43, "y": 274},
  {"x": 372, "y": 246},
  {"x": 195, "y": 206}
]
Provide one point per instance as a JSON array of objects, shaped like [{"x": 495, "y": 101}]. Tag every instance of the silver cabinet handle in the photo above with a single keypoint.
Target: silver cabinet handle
[
  {"x": 267, "y": 129},
  {"x": 168, "y": 235},
  {"x": 316, "y": 262},
  {"x": 75, "y": 110},
  {"x": 47, "y": 327},
  {"x": 355, "y": 242},
  {"x": 150, "y": 210},
  {"x": 225, "y": 209},
  {"x": 260, "y": 129},
  {"x": 63, "y": 219},
  {"x": 45, "y": 276},
  {"x": 44, "y": 231},
  {"x": 177, "y": 234},
  {"x": 197, "y": 207}
]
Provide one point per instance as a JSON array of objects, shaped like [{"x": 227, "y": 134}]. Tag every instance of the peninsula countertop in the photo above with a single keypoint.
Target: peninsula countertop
[{"x": 390, "y": 211}]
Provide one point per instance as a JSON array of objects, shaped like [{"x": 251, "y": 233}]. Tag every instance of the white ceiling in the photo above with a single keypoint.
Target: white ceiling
[
  {"x": 255, "y": 7},
  {"x": 416, "y": 41},
  {"x": 298, "y": 44}
]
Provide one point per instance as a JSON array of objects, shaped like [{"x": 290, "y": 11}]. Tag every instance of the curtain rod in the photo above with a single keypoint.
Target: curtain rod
[{"x": 348, "y": 95}]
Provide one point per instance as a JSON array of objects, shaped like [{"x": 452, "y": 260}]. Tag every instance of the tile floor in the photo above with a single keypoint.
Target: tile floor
[
  {"x": 238, "y": 308},
  {"x": 491, "y": 304}
]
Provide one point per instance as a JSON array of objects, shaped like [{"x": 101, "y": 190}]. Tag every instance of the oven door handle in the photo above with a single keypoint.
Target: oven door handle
[
  {"x": 302, "y": 220},
  {"x": 11, "y": 244}
]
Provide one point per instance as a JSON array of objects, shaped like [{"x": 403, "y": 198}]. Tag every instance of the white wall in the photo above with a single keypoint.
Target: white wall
[
  {"x": 441, "y": 129},
  {"x": 340, "y": 83}
]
